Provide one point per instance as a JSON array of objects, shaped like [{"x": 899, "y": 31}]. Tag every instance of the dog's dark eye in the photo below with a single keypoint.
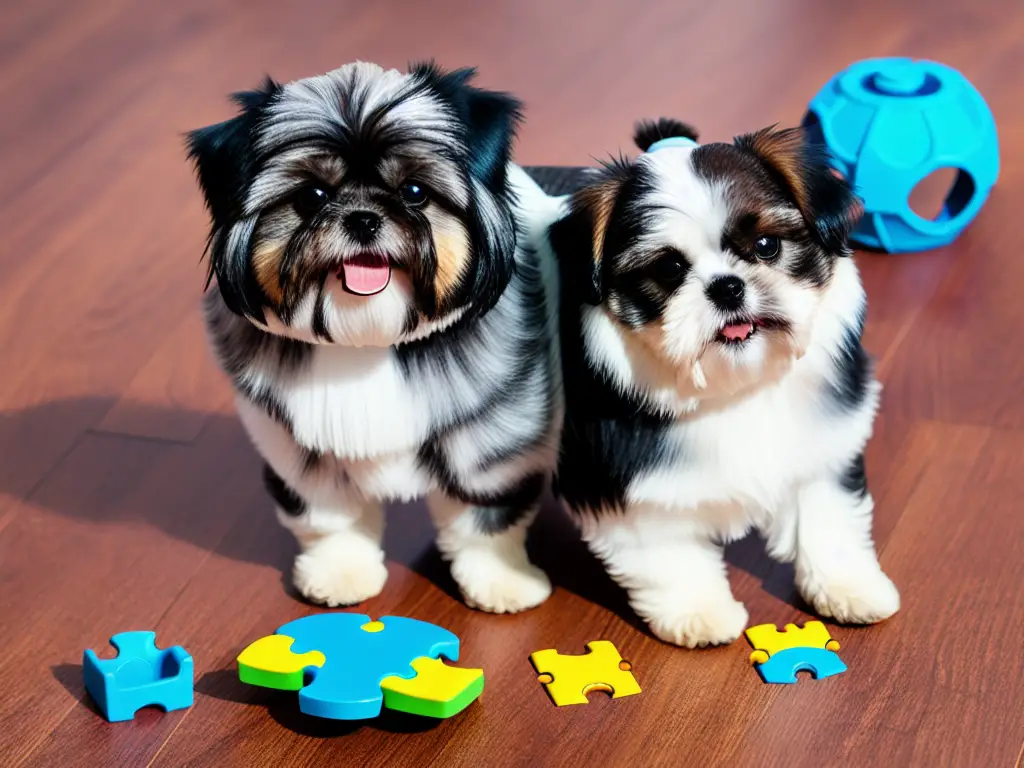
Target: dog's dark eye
[
  {"x": 669, "y": 269},
  {"x": 309, "y": 200},
  {"x": 767, "y": 248},
  {"x": 413, "y": 193}
]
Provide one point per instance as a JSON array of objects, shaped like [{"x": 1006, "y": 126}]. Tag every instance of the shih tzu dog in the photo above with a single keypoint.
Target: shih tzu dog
[
  {"x": 389, "y": 333},
  {"x": 714, "y": 377}
]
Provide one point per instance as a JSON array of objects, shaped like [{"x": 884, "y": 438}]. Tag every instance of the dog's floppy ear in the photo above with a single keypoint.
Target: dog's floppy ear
[
  {"x": 647, "y": 132},
  {"x": 222, "y": 156},
  {"x": 494, "y": 118},
  {"x": 221, "y": 152},
  {"x": 823, "y": 197},
  {"x": 491, "y": 118},
  {"x": 579, "y": 237}
]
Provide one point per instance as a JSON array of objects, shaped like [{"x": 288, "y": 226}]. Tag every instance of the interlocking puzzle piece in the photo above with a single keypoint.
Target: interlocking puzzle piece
[
  {"x": 437, "y": 690},
  {"x": 141, "y": 675},
  {"x": 768, "y": 640},
  {"x": 783, "y": 665},
  {"x": 569, "y": 679},
  {"x": 270, "y": 663},
  {"x": 358, "y": 655}
]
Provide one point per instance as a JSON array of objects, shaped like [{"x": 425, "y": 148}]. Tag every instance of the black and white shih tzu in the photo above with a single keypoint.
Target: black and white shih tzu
[
  {"x": 387, "y": 331},
  {"x": 714, "y": 377}
]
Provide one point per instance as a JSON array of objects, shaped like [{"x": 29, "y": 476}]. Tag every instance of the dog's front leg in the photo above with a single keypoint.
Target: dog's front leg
[
  {"x": 674, "y": 573},
  {"x": 341, "y": 562},
  {"x": 837, "y": 570},
  {"x": 339, "y": 531},
  {"x": 486, "y": 546}
]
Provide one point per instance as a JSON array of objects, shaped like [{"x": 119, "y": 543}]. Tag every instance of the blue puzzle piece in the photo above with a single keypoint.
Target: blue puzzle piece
[
  {"x": 783, "y": 665},
  {"x": 141, "y": 675},
  {"x": 347, "y": 686}
]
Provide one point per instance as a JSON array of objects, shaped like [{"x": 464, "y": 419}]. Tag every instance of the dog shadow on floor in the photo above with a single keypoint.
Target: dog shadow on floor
[
  {"x": 69, "y": 458},
  {"x": 571, "y": 566},
  {"x": 64, "y": 456}
]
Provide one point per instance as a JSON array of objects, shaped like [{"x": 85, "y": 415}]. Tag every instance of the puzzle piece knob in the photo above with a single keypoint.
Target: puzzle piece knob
[
  {"x": 141, "y": 675},
  {"x": 832, "y": 645},
  {"x": 570, "y": 678},
  {"x": 758, "y": 657},
  {"x": 270, "y": 663}
]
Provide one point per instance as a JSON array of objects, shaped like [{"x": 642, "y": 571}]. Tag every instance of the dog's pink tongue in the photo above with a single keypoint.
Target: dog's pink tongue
[
  {"x": 366, "y": 274},
  {"x": 739, "y": 331}
]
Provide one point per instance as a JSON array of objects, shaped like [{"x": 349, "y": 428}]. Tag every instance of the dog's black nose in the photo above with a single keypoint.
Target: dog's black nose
[
  {"x": 362, "y": 225},
  {"x": 726, "y": 292}
]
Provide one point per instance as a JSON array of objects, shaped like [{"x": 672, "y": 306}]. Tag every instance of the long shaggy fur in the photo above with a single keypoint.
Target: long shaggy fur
[
  {"x": 715, "y": 380},
  {"x": 388, "y": 329}
]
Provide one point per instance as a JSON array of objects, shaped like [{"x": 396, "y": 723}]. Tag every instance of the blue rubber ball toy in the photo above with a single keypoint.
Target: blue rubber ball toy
[{"x": 891, "y": 122}]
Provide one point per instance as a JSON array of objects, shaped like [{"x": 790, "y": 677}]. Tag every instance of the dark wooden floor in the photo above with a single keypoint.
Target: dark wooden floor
[{"x": 130, "y": 498}]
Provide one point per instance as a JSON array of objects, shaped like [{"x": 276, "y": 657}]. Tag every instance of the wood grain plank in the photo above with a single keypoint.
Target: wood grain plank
[
  {"x": 930, "y": 666},
  {"x": 954, "y": 364},
  {"x": 33, "y": 439},
  {"x": 104, "y": 545},
  {"x": 173, "y": 395}
]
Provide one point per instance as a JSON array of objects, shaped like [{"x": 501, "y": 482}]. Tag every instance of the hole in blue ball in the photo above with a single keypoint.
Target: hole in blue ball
[
  {"x": 942, "y": 194},
  {"x": 959, "y": 196},
  {"x": 876, "y": 84}
]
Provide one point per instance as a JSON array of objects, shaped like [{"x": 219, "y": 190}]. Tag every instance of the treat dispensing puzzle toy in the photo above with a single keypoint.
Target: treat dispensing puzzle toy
[
  {"x": 347, "y": 667},
  {"x": 141, "y": 675},
  {"x": 891, "y": 122},
  {"x": 780, "y": 655},
  {"x": 569, "y": 679}
]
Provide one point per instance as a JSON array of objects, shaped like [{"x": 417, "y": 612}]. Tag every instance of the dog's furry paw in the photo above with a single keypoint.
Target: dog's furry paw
[
  {"x": 339, "y": 571},
  {"x": 712, "y": 622},
  {"x": 862, "y": 596},
  {"x": 490, "y": 583}
]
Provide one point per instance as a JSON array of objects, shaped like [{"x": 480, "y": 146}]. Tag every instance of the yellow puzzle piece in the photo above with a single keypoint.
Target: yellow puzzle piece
[
  {"x": 570, "y": 678},
  {"x": 437, "y": 690},
  {"x": 269, "y": 662},
  {"x": 768, "y": 640}
]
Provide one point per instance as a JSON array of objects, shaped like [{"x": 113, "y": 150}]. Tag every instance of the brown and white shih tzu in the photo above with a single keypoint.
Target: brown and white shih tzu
[
  {"x": 714, "y": 377},
  {"x": 387, "y": 330}
]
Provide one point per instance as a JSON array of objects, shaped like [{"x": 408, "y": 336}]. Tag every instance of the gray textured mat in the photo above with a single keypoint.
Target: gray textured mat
[{"x": 557, "y": 179}]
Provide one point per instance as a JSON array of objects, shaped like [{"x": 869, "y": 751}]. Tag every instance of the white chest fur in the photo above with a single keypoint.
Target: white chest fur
[
  {"x": 354, "y": 403},
  {"x": 749, "y": 458}
]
